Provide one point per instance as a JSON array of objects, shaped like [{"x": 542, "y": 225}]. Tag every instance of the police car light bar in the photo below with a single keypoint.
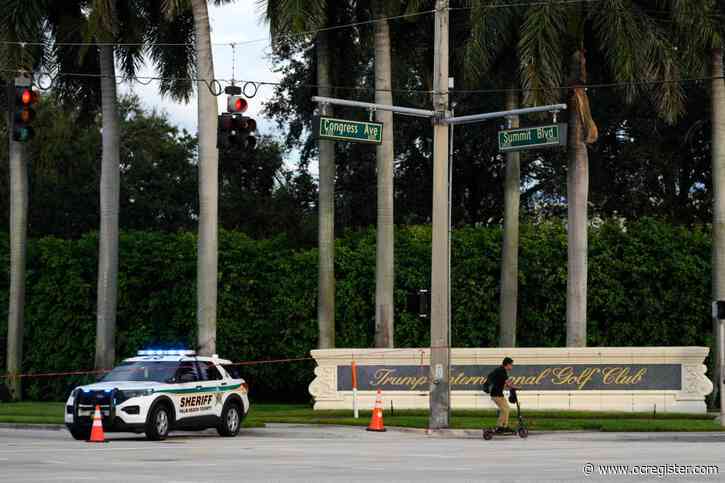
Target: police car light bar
[{"x": 166, "y": 353}]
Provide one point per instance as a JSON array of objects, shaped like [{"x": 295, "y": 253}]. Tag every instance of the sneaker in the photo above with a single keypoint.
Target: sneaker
[{"x": 500, "y": 430}]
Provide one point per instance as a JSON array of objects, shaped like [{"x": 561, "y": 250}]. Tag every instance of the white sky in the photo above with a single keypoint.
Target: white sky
[{"x": 236, "y": 22}]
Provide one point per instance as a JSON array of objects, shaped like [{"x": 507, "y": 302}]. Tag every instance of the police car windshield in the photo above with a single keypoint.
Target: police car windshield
[{"x": 152, "y": 371}]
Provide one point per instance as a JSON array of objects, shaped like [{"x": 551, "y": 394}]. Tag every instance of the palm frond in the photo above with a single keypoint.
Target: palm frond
[
  {"x": 636, "y": 48},
  {"x": 285, "y": 16},
  {"x": 542, "y": 52},
  {"x": 170, "y": 8},
  {"x": 132, "y": 27},
  {"x": 176, "y": 64},
  {"x": 623, "y": 33},
  {"x": 492, "y": 30},
  {"x": 669, "y": 96}
]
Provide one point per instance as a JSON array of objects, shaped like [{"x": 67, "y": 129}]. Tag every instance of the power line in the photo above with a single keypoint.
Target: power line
[
  {"x": 258, "y": 83},
  {"x": 144, "y": 80},
  {"x": 528, "y": 4},
  {"x": 230, "y": 44},
  {"x": 590, "y": 86}
]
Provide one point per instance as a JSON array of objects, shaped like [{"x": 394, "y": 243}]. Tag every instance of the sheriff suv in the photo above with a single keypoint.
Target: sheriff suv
[{"x": 161, "y": 391}]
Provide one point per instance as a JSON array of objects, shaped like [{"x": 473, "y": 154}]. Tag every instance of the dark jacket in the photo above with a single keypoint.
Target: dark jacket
[{"x": 498, "y": 380}]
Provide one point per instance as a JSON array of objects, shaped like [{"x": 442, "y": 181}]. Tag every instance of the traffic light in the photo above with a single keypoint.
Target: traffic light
[
  {"x": 236, "y": 104},
  {"x": 235, "y": 130},
  {"x": 23, "y": 113},
  {"x": 241, "y": 131}
]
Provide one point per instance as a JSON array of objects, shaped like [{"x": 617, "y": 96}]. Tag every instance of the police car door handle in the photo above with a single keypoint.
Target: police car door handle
[
  {"x": 199, "y": 387},
  {"x": 223, "y": 383}
]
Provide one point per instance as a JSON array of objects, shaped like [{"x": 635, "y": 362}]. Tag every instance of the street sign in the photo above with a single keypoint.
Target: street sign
[
  {"x": 346, "y": 130},
  {"x": 536, "y": 137}
]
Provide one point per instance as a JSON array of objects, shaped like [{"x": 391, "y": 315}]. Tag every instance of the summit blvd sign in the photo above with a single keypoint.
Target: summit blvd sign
[
  {"x": 537, "y": 137},
  {"x": 346, "y": 130}
]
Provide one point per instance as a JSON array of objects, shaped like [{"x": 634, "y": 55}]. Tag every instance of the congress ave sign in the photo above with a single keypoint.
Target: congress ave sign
[{"x": 350, "y": 131}]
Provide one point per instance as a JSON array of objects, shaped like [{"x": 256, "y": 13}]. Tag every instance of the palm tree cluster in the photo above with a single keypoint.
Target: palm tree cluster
[
  {"x": 94, "y": 37},
  {"x": 540, "y": 52}
]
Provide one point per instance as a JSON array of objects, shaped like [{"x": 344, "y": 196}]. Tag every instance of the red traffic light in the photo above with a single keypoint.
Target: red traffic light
[
  {"x": 236, "y": 104},
  {"x": 24, "y": 113},
  {"x": 27, "y": 96}
]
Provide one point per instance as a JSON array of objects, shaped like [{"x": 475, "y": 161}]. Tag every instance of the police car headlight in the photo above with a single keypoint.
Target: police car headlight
[{"x": 136, "y": 393}]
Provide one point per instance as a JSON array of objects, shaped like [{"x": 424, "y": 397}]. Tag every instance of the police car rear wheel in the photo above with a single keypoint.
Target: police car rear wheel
[
  {"x": 229, "y": 424},
  {"x": 80, "y": 433},
  {"x": 157, "y": 426}
]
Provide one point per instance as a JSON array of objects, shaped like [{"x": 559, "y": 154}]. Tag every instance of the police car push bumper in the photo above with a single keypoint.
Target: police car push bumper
[{"x": 195, "y": 393}]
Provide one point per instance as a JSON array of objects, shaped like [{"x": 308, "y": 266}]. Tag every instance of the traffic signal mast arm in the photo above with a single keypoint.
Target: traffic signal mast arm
[{"x": 452, "y": 120}]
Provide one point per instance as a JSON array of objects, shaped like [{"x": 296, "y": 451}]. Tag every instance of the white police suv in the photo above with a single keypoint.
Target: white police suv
[{"x": 160, "y": 391}]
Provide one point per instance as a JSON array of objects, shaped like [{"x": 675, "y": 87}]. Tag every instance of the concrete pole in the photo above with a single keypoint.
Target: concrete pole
[
  {"x": 718, "y": 213},
  {"x": 439, "y": 321}
]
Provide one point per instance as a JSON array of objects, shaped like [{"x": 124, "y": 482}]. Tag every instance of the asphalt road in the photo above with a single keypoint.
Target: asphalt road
[{"x": 342, "y": 454}]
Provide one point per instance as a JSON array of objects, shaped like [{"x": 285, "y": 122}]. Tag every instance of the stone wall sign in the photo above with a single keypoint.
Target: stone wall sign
[
  {"x": 529, "y": 377},
  {"x": 663, "y": 379}
]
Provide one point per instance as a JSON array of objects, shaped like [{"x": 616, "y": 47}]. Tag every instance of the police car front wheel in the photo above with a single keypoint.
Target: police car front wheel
[
  {"x": 230, "y": 420},
  {"x": 157, "y": 425}
]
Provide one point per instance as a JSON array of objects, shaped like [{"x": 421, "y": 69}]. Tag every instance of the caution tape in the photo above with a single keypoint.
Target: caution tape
[{"x": 385, "y": 352}]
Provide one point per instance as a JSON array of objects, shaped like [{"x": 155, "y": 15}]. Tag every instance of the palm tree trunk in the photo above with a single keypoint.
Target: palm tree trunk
[
  {"x": 109, "y": 206},
  {"x": 718, "y": 200},
  {"x": 510, "y": 251},
  {"x": 207, "y": 249},
  {"x": 326, "y": 211},
  {"x": 385, "y": 155},
  {"x": 18, "y": 243},
  {"x": 577, "y": 199}
]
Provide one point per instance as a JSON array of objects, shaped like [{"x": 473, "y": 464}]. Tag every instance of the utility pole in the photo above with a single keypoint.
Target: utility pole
[
  {"x": 440, "y": 325},
  {"x": 440, "y": 392}
]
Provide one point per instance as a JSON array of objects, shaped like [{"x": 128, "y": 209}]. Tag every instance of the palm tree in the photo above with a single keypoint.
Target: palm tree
[
  {"x": 109, "y": 22},
  {"x": 493, "y": 30},
  {"x": 634, "y": 48},
  {"x": 698, "y": 25},
  {"x": 207, "y": 251},
  {"x": 208, "y": 245},
  {"x": 19, "y": 21},
  {"x": 103, "y": 22},
  {"x": 385, "y": 155},
  {"x": 286, "y": 17}
]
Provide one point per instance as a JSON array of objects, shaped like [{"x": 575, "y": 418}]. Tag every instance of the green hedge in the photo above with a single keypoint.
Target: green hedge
[{"x": 649, "y": 284}]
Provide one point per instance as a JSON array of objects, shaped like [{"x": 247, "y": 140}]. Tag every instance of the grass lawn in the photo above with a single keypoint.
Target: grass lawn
[{"x": 52, "y": 413}]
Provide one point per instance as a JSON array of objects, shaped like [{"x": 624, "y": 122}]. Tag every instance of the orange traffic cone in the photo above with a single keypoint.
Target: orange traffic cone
[
  {"x": 376, "y": 422},
  {"x": 97, "y": 435}
]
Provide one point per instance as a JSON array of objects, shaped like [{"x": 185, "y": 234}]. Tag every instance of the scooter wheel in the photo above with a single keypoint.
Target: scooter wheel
[
  {"x": 523, "y": 432},
  {"x": 487, "y": 434}
]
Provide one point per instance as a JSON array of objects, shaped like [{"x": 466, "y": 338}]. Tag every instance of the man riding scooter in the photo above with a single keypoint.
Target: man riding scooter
[{"x": 499, "y": 380}]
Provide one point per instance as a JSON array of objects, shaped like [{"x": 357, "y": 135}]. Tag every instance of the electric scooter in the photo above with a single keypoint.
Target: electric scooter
[{"x": 522, "y": 431}]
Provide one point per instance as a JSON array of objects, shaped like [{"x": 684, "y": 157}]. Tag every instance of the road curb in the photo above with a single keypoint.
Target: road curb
[{"x": 47, "y": 427}]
